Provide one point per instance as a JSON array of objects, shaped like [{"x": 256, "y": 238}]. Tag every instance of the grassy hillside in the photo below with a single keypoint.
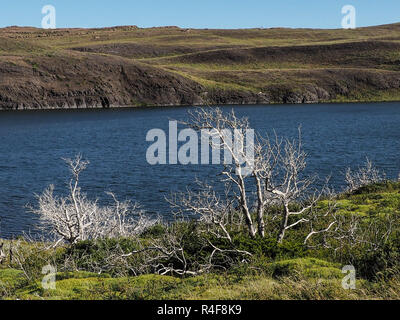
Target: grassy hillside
[
  {"x": 291, "y": 272},
  {"x": 163, "y": 66}
]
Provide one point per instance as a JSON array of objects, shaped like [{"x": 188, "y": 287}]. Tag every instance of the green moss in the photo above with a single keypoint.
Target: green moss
[
  {"x": 372, "y": 200},
  {"x": 307, "y": 279},
  {"x": 80, "y": 275},
  {"x": 308, "y": 267}
]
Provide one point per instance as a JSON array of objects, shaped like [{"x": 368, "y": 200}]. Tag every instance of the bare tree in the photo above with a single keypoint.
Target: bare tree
[
  {"x": 75, "y": 217},
  {"x": 352, "y": 230},
  {"x": 365, "y": 175},
  {"x": 322, "y": 222},
  {"x": 168, "y": 255},
  {"x": 216, "y": 216},
  {"x": 228, "y": 132},
  {"x": 274, "y": 172},
  {"x": 215, "y": 219},
  {"x": 289, "y": 188},
  {"x": 214, "y": 211},
  {"x": 163, "y": 256}
]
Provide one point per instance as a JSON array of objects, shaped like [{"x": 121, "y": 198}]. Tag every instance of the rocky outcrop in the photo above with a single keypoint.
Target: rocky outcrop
[
  {"x": 103, "y": 82},
  {"x": 93, "y": 82}
]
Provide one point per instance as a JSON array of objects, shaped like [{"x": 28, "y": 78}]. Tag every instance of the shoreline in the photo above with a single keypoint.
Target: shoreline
[{"x": 123, "y": 107}]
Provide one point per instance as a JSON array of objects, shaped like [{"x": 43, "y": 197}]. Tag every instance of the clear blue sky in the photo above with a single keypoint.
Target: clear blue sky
[{"x": 199, "y": 13}]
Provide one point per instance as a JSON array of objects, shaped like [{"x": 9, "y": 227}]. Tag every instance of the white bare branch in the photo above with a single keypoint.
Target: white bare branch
[
  {"x": 75, "y": 217},
  {"x": 368, "y": 174}
]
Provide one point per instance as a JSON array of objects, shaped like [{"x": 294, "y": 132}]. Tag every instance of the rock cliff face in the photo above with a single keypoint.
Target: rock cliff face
[
  {"x": 94, "y": 82},
  {"x": 128, "y": 66}
]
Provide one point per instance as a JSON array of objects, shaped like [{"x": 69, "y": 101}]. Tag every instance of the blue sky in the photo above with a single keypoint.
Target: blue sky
[{"x": 199, "y": 13}]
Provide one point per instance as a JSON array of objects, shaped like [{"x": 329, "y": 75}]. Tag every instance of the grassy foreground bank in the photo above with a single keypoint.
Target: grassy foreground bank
[
  {"x": 307, "y": 279},
  {"x": 275, "y": 271}
]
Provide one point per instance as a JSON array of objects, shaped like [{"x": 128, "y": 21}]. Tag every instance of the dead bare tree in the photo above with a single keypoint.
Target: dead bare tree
[
  {"x": 228, "y": 132},
  {"x": 275, "y": 170},
  {"x": 75, "y": 217},
  {"x": 214, "y": 211},
  {"x": 163, "y": 256},
  {"x": 169, "y": 255},
  {"x": 363, "y": 176},
  {"x": 353, "y": 230},
  {"x": 216, "y": 216},
  {"x": 289, "y": 188},
  {"x": 321, "y": 222},
  {"x": 247, "y": 157}
]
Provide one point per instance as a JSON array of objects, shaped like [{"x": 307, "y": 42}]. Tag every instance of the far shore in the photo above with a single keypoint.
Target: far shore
[{"x": 201, "y": 106}]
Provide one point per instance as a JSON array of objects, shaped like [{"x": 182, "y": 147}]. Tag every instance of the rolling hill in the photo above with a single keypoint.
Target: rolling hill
[{"x": 130, "y": 66}]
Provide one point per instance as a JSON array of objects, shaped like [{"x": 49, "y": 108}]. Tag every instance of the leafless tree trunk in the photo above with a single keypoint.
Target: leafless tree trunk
[
  {"x": 221, "y": 128},
  {"x": 277, "y": 168}
]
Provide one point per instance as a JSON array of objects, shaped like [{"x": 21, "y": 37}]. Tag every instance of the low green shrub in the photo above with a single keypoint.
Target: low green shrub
[
  {"x": 381, "y": 263},
  {"x": 269, "y": 247},
  {"x": 385, "y": 186},
  {"x": 94, "y": 256}
]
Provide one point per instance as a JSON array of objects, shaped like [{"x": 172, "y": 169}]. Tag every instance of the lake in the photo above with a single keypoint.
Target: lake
[{"x": 32, "y": 144}]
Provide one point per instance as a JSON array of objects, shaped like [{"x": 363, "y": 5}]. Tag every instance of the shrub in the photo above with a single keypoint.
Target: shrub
[
  {"x": 381, "y": 263},
  {"x": 31, "y": 257},
  {"x": 363, "y": 176},
  {"x": 269, "y": 247},
  {"x": 384, "y": 186},
  {"x": 100, "y": 256}
]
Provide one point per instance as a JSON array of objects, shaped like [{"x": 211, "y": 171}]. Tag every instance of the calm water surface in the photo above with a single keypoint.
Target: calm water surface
[{"x": 32, "y": 144}]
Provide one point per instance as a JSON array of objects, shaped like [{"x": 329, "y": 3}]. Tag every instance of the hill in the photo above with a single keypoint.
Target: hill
[{"x": 130, "y": 66}]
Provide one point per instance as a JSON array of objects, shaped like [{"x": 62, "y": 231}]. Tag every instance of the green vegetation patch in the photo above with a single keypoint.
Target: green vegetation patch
[{"x": 308, "y": 267}]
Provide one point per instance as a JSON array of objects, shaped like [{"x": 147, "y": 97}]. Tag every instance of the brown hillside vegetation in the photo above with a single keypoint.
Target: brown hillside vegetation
[{"x": 130, "y": 66}]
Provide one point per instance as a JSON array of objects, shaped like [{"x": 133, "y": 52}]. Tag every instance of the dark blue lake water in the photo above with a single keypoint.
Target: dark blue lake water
[{"x": 32, "y": 144}]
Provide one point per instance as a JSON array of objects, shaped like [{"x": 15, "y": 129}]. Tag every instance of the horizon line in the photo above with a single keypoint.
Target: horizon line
[{"x": 193, "y": 28}]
